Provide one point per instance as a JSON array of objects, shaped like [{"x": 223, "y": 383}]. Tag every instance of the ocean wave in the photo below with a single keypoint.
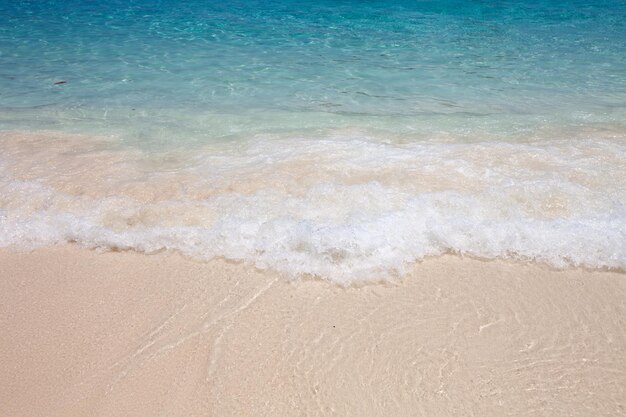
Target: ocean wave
[{"x": 343, "y": 208}]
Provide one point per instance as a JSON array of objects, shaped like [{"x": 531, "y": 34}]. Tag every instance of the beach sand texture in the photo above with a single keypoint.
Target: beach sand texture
[
  {"x": 322, "y": 208},
  {"x": 128, "y": 334}
]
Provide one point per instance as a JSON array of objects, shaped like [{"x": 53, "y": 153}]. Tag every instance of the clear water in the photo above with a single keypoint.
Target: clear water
[
  {"x": 322, "y": 133},
  {"x": 395, "y": 65}
]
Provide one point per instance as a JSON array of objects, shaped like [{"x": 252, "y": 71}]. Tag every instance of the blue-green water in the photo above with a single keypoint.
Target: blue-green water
[
  {"x": 420, "y": 85},
  {"x": 448, "y": 63}
]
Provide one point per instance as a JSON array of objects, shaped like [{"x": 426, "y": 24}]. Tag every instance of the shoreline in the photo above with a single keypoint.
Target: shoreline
[
  {"x": 124, "y": 333},
  {"x": 350, "y": 210}
]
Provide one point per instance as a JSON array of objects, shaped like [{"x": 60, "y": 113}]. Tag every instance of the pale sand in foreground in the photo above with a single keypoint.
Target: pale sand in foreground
[{"x": 125, "y": 334}]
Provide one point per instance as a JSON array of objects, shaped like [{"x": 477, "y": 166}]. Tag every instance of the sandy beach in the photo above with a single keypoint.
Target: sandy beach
[
  {"x": 323, "y": 208},
  {"x": 127, "y": 334}
]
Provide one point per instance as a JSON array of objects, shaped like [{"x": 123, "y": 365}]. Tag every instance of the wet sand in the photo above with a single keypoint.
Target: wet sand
[{"x": 126, "y": 334}]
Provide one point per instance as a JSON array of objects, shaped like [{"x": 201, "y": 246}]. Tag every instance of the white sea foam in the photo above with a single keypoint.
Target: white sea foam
[{"x": 342, "y": 208}]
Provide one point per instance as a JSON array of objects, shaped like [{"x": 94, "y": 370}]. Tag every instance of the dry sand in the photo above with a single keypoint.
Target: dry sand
[{"x": 126, "y": 334}]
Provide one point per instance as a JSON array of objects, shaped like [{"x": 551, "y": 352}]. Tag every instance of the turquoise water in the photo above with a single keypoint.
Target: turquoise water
[
  {"x": 341, "y": 125},
  {"x": 394, "y": 65}
]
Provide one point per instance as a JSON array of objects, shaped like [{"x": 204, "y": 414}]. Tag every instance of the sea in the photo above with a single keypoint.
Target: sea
[{"x": 339, "y": 139}]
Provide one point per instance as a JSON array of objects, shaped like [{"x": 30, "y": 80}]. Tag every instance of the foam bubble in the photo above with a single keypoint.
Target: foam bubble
[{"x": 345, "y": 209}]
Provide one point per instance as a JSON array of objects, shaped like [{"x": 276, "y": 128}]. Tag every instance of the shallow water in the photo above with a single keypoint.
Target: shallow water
[
  {"x": 170, "y": 72},
  {"x": 342, "y": 139}
]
